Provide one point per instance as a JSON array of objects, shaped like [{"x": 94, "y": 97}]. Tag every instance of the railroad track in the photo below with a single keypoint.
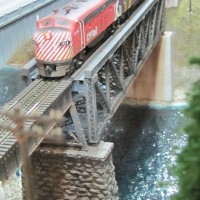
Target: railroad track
[{"x": 29, "y": 99}]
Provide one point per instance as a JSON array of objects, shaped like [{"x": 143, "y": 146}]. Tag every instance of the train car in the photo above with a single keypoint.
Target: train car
[{"x": 63, "y": 36}]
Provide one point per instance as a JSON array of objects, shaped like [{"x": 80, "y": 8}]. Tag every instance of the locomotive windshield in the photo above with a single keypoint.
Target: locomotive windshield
[
  {"x": 63, "y": 23},
  {"x": 47, "y": 23}
]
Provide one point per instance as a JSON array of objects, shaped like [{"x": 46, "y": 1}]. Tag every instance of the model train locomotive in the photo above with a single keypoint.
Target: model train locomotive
[{"x": 63, "y": 37}]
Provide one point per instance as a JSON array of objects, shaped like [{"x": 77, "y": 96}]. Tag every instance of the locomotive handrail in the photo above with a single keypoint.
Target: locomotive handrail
[
  {"x": 21, "y": 11},
  {"x": 92, "y": 66}
]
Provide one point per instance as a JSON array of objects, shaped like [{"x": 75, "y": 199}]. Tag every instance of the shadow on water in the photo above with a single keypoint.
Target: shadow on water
[
  {"x": 144, "y": 139},
  {"x": 10, "y": 84}
]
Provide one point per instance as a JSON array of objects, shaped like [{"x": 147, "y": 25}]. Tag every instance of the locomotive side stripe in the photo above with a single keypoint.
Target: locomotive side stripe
[
  {"x": 38, "y": 44},
  {"x": 54, "y": 43},
  {"x": 50, "y": 50},
  {"x": 36, "y": 35},
  {"x": 40, "y": 37},
  {"x": 65, "y": 54},
  {"x": 63, "y": 50},
  {"x": 49, "y": 47},
  {"x": 48, "y": 44},
  {"x": 51, "y": 57},
  {"x": 52, "y": 53},
  {"x": 41, "y": 42},
  {"x": 57, "y": 56},
  {"x": 59, "y": 53},
  {"x": 41, "y": 48}
]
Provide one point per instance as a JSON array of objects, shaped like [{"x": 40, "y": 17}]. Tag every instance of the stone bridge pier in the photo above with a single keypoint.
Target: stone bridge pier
[{"x": 64, "y": 174}]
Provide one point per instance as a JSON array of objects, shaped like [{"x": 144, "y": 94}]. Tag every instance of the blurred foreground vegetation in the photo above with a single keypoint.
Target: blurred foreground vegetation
[{"x": 187, "y": 168}]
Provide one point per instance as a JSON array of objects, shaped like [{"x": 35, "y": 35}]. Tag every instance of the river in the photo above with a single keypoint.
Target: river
[{"x": 146, "y": 140}]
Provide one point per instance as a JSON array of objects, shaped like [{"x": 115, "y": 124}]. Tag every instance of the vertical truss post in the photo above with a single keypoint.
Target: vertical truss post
[
  {"x": 153, "y": 24},
  {"x": 138, "y": 37},
  {"x": 121, "y": 69},
  {"x": 115, "y": 74},
  {"x": 102, "y": 96},
  {"x": 145, "y": 34},
  {"x": 91, "y": 109},
  {"x": 108, "y": 83},
  {"x": 133, "y": 52},
  {"x": 142, "y": 38},
  {"x": 160, "y": 17}
]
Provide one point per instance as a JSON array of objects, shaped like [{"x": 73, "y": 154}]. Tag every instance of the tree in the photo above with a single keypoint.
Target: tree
[{"x": 188, "y": 162}]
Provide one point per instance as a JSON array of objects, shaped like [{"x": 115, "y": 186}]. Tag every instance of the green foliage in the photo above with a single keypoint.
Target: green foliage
[
  {"x": 195, "y": 60},
  {"x": 188, "y": 162}
]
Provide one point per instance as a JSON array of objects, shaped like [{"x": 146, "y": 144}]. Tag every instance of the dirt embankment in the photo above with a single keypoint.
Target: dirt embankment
[{"x": 23, "y": 55}]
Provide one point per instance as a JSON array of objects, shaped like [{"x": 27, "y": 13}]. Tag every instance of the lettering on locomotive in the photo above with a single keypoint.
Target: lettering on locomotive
[{"x": 92, "y": 34}]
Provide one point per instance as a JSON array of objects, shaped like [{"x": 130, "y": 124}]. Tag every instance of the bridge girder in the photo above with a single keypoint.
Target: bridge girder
[{"x": 110, "y": 73}]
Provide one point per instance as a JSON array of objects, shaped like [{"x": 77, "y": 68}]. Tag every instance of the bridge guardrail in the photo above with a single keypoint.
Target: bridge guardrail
[{"x": 7, "y": 18}]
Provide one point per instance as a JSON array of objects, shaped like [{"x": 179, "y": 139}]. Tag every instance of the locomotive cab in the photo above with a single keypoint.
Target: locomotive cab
[{"x": 53, "y": 46}]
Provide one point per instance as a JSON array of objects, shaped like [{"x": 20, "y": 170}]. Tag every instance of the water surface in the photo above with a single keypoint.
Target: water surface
[
  {"x": 11, "y": 83},
  {"x": 145, "y": 139}
]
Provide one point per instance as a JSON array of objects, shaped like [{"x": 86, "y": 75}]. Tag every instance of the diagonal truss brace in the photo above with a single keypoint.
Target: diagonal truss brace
[{"x": 80, "y": 134}]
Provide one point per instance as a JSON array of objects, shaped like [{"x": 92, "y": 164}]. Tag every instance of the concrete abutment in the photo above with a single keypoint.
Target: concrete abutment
[
  {"x": 155, "y": 80},
  {"x": 64, "y": 174},
  {"x": 171, "y": 3}
]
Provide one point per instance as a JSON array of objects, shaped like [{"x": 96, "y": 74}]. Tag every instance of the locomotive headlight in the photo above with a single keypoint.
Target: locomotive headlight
[
  {"x": 47, "y": 36},
  {"x": 63, "y": 43}
]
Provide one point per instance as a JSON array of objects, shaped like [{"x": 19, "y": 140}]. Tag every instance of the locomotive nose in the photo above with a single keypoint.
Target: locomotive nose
[{"x": 53, "y": 46}]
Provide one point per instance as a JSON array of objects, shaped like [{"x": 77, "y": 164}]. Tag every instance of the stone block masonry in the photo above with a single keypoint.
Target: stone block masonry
[{"x": 64, "y": 174}]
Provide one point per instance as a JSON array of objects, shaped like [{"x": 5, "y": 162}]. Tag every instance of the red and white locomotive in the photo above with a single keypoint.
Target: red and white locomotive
[{"x": 63, "y": 36}]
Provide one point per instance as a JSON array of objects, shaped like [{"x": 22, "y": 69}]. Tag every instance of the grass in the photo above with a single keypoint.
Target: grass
[
  {"x": 186, "y": 26},
  {"x": 23, "y": 55}
]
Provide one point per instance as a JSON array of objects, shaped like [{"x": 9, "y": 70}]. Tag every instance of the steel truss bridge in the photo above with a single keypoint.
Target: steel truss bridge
[{"x": 92, "y": 95}]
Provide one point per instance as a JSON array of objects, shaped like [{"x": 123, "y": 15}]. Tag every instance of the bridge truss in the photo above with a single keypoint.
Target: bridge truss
[
  {"x": 110, "y": 71},
  {"x": 92, "y": 95}
]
